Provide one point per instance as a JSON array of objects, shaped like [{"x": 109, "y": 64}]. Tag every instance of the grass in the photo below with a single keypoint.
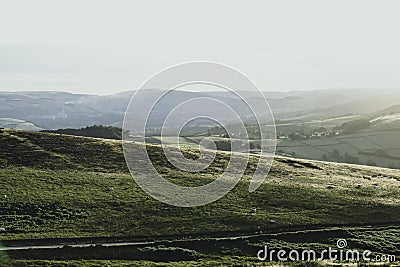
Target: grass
[
  {"x": 58, "y": 186},
  {"x": 361, "y": 145}
]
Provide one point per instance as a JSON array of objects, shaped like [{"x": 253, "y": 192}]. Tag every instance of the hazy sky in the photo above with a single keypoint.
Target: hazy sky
[{"x": 105, "y": 47}]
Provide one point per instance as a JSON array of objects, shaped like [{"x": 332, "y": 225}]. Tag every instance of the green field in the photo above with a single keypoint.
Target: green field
[
  {"x": 377, "y": 148},
  {"x": 76, "y": 188}
]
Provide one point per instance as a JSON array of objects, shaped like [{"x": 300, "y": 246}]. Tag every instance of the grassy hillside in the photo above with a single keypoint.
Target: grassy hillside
[{"x": 63, "y": 186}]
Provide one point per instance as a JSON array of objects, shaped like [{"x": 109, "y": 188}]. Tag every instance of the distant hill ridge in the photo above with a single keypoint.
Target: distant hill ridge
[
  {"x": 390, "y": 110},
  {"x": 55, "y": 110}
]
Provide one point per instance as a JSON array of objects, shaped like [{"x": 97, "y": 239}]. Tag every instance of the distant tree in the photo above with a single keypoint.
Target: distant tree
[
  {"x": 99, "y": 131},
  {"x": 297, "y": 136},
  {"x": 336, "y": 154},
  {"x": 223, "y": 145},
  {"x": 321, "y": 130},
  {"x": 252, "y": 146},
  {"x": 353, "y": 126},
  {"x": 351, "y": 159}
]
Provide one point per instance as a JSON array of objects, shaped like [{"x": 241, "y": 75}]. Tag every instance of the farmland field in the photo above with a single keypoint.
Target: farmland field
[{"x": 366, "y": 146}]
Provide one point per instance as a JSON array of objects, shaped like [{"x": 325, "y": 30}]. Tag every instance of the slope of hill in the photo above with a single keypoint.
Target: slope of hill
[
  {"x": 385, "y": 122},
  {"x": 18, "y": 124},
  {"x": 56, "y": 186},
  {"x": 53, "y": 110},
  {"x": 365, "y": 105},
  {"x": 387, "y": 111}
]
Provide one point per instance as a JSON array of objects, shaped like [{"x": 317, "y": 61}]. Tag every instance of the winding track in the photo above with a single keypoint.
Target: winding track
[{"x": 104, "y": 243}]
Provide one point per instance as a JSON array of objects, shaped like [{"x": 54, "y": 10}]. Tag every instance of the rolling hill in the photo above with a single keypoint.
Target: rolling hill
[
  {"x": 75, "y": 188},
  {"x": 364, "y": 106},
  {"x": 387, "y": 111},
  {"x": 54, "y": 110}
]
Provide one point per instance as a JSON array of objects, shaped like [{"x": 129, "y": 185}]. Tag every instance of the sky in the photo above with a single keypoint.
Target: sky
[{"x": 105, "y": 47}]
